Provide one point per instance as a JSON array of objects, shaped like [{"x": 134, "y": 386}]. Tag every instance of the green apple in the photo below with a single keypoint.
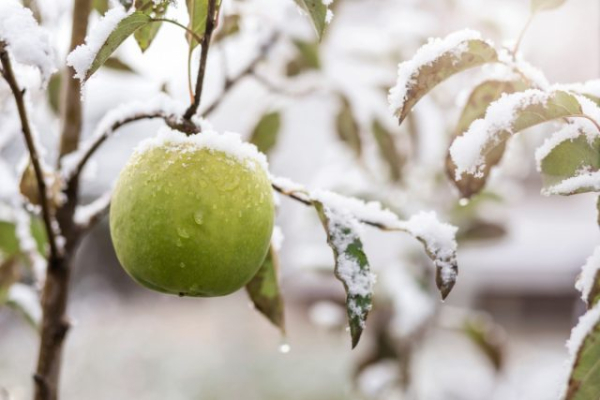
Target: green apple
[{"x": 193, "y": 215}]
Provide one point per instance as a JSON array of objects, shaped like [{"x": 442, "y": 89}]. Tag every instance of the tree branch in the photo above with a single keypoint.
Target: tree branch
[
  {"x": 7, "y": 73},
  {"x": 247, "y": 71},
  {"x": 205, "y": 43}
]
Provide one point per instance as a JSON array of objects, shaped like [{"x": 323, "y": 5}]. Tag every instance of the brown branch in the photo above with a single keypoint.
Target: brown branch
[
  {"x": 8, "y": 74},
  {"x": 211, "y": 16},
  {"x": 71, "y": 91},
  {"x": 247, "y": 71}
]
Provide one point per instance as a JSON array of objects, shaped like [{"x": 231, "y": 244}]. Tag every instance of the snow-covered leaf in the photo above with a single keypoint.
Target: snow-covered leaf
[
  {"x": 588, "y": 282},
  {"x": 584, "y": 349},
  {"x": 570, "y": 161},
  {"x": 265, "y": 293},
  {"x": 435, "y": 62},
  {"x": 319, "y": 13},
  {"x": 351, "y": 265},
  {"x": 539, "y": 5},
  {"x": 479, "y": 100},
  {"x": 112, "y": 30},
  {"x": 505, "y": 117},
  {"x": 388, "y": 150},
  {"x": 347, "y": 127},
  {"x": 265, "y": 133}
]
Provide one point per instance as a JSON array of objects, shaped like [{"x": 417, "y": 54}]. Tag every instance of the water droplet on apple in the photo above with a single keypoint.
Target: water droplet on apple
[
  {"x": 183, "y": 233},
  {"x": 199, "y": 217}
]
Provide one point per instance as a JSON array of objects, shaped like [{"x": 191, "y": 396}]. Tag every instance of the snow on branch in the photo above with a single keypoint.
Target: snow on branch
[
  {"x": 27, "y": 42},
  {"x": 437, "y": 237}
]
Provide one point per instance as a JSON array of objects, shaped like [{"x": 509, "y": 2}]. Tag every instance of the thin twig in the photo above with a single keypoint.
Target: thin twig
[
  {"x": 7, "y": 73},
  {"x": 273, "y": 87},
  {"x": 308, "y": 202},
  {"x": 248, "y": 70},
  {"x": 188, "y": 30},
  {"x": 205, "y": 43},
  {"x": 521, "y": 35}
]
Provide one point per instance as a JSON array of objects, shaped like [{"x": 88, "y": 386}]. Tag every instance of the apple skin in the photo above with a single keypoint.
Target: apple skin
[{"x": 190, "y": 221}]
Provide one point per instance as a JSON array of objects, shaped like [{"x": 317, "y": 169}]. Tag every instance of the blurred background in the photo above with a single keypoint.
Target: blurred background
[{"x": 501, "y": 332}]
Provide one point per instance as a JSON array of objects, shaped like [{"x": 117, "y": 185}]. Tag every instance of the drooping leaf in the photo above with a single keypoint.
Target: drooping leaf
[
  {"x": 568, "y": 161},
  {"x": 118, "y": 65},
  {"x": 417, "y": 79},
  {"x": 317, "y": 11},
  {"x": 265, "y": 133},
  {"x": 584, "y": 379},
  {"x": 347, "y": 127},
  {"x": 540, "y": 5},
  {"x": 228, "y": 27},
  {"x": 306, "y": 59},
  {"x": 388, "y": 150},
  {"x": 146, "y": 34},
  {"x": 351, "y": 265},
  {"x": 509, "y": 115},
  {"x": 264, "y": 291},
  {"x": 479, "y": 100},
  {"x": 9, "y": 241},
  {"x": 124, "y": 29}
]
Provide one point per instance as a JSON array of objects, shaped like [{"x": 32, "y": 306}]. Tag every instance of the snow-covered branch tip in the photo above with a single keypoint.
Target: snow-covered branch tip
[
  {"x": 438, "y": 238},
  {"x": 86, "y": 216}
]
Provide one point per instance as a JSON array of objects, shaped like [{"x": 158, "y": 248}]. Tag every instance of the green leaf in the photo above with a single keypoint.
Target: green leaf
[
  {"x": 387, "y": 148},
  {"x": 101, "y": 6},
  {"x": 351, "y": 266},
  {"x": 146, "y": 34},
  {"x": 317, "y": 12},
  {"x": 523, "y": 110},
  {"x": 447, "y": 64},
  {"x": 53, "y": 92},
  {"x": 124, "y": 29},
  {"x": 567, "y": 160},
  {"x": 264, "y": 291},
  {"x": 481, "y": 97},
  {"x": 540, "y": 5},
  {"x": 229, "y": 26},
  {"x": 9, "y": 242},
  {"x": 118, "y": 65},
  {"x": 584, "y": 380},
  {"x": 347, "y": 127},
  {"x": 265, "y": 133},
  {"x": 197, "y": 11},
  {"x": 307, "y": 58}
]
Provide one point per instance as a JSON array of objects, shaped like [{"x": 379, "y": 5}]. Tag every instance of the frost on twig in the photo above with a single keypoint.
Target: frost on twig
[
  {"x": 588, "y": 282},
  {"x": 27, "y": 42}
]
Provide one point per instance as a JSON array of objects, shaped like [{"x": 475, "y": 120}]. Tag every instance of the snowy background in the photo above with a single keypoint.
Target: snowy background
[{"x": 128, "y": 342}]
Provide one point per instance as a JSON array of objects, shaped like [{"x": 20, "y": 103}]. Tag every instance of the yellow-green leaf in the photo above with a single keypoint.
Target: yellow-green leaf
[
  {"x": 481, "y": 97},
  {"x": 306, "y": 58},
  {"x": 351, "y": 266},
  {"x": 265, "y": 293},
  {"x": 118, "y": 65},
  {"x": 265, "y": 133},
  {"x": 197, "y": 11}
]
